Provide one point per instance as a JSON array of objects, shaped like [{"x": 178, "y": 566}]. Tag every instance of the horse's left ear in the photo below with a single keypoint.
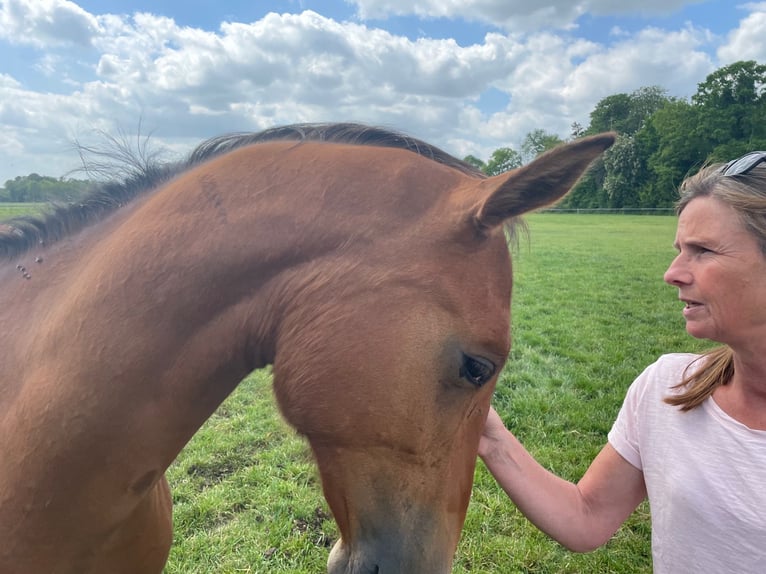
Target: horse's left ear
[{"x": 541, "y": 182}]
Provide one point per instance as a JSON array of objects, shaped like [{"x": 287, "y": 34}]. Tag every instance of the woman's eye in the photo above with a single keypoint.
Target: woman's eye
[
  {"x": 476, "y": 370},
  {"x": 700, "y": 249}
]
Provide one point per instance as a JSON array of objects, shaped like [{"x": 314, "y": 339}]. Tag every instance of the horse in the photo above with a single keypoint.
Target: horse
[{"x": 371, "y": 270}]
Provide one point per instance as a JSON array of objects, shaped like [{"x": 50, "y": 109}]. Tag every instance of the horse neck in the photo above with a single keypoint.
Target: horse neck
[{"x": 171, "y": 304}]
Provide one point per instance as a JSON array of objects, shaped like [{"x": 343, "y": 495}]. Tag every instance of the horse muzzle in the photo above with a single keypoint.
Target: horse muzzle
[{"x": 384, "y": 558}]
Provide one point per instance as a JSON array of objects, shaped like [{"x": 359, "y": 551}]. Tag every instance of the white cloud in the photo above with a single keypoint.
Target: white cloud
[
  {"x": 8, "y": 82},
  {"x": 286, "y": 62},
  {"x": 513, "y": 15},
  {"x": 673, "y": 60},
  {"x": 748, "y": 41},
  {"x": 38, "y": 130},
  {"x": 46, "y": 23},
  {"x": 186, "y": 84}
]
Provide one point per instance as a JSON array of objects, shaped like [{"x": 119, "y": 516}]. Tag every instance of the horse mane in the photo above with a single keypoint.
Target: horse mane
[{"x": 141, "y": 173}]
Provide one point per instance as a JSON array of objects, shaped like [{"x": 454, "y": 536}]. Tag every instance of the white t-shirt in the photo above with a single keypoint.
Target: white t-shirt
[{"x": 705, "y": 475}]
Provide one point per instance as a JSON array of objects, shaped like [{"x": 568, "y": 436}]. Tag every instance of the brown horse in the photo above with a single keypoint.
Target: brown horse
[{"x": 371, "y": 269}]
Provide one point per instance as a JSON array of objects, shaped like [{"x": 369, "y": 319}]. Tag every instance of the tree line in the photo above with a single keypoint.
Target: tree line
[
  {"x": 661, "y": 139},
  {"x": 42, "y": 188}
]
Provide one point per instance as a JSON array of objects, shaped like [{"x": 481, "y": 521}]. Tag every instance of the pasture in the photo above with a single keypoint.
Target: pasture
[
  {"x": 8, "y": 210},
  {"x": 590, "y": 311}
]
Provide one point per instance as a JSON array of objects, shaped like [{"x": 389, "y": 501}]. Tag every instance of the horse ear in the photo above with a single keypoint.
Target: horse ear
[{"x": 541, "y": 182}]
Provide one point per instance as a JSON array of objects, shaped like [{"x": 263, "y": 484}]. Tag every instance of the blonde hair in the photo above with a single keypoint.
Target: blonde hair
[{"x": 746, "y": 194}]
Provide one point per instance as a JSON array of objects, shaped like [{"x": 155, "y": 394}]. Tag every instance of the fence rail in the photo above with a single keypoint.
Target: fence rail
[{"x": 618, "y": 210}]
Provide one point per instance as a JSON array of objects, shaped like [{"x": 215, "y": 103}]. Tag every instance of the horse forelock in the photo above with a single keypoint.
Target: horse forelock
[{"x": 20, "y": 234}]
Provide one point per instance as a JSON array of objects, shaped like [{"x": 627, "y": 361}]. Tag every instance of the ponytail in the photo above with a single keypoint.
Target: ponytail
[{"x": 717, "y": 370}]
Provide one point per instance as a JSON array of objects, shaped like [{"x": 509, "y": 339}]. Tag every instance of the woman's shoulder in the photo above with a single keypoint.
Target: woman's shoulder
[
  {"x": 665, "y": 373},
  {"x": 677, "y": 361}
]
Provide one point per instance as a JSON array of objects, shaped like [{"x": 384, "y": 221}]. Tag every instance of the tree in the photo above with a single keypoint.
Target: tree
[
  {"x": 627, "y": 113},
  {"x": 475, "y": 162},
  {"x": 619, "y": 181},
  {"x": 623, "y": 172},
  {"x": 538, "y": 141},
  {"x": 663, "y": 140},
  {"x": 643, "y": 103},
  {"x": 38, "y": 188},
  {"x": 673, "y": 151},
  {"x": 503, "y": 159},
  {"x": 610, "y": 114},
  {"x": 577, "y": 131},
  {"x": 732, "y": 104},
  {"x": 740, "y": 83}
]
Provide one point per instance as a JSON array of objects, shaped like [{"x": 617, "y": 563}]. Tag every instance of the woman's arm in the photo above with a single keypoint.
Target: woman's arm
[{"x": 580, "y": 516}]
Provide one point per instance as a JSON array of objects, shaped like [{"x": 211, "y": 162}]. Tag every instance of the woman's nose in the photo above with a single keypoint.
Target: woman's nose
[{"x": 676, "y": 273}]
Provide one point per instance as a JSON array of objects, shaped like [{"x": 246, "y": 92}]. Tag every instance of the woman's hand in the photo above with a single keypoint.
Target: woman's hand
[
  {"x": 493, "y": 435},
  {"x": 580, "y": 516}
]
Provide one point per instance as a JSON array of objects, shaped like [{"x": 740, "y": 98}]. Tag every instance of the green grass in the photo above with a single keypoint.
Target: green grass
[
  {"x": 9, "y": 210},
  {"x": 590, "y": 311}
]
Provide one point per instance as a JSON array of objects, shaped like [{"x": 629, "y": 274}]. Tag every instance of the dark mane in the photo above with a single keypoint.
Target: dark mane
[{"x": 144, "y": 173}]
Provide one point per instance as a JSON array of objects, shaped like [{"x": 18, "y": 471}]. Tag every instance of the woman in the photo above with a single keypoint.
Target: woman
[{"x": 691, "y": 434}]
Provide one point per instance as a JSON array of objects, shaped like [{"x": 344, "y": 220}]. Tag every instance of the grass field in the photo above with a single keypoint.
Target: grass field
[
  {"x": 8, "y": 210},
  {"x": 590, "y": 311}
]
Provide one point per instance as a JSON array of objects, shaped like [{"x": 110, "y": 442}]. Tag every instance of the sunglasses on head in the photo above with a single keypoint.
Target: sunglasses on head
[{"x": 744, "y": 164}]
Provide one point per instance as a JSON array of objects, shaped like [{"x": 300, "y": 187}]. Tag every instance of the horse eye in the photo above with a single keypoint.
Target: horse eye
[{"x": 476, "y": 370}]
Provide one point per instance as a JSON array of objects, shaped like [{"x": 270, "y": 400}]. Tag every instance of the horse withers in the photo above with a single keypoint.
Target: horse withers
[{"x": 370, "y": 269}]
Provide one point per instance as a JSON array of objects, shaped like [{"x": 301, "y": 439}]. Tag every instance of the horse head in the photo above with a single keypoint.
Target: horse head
[{"x": 390, "y": 346}]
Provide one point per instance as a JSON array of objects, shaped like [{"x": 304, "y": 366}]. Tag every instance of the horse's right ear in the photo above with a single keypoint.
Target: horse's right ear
[{"x": 541, "y": 182}]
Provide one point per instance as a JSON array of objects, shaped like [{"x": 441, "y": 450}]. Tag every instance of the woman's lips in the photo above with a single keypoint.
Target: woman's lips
[{"x": 690, "y": 307}]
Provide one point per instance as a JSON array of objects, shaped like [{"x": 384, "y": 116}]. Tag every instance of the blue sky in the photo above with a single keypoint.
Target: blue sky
[{"x": 469, "y": 76}]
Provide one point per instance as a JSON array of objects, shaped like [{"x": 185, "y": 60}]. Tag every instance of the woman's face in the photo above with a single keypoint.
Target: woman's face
[{"x": 720, "y": 273}]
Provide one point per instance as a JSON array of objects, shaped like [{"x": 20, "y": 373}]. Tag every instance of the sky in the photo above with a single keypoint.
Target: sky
[{"x": 469, "y": 76}]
